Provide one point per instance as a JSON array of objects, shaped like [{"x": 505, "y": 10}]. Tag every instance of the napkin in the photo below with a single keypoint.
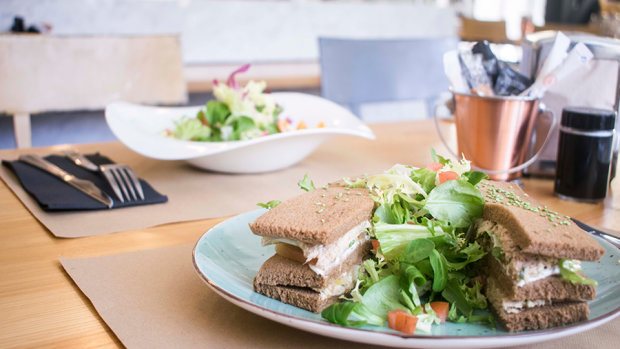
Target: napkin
[{"x": 53, "y": 194}]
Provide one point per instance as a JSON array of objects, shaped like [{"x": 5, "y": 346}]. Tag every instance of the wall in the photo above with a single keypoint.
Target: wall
[{"x": 215, "y": 32}]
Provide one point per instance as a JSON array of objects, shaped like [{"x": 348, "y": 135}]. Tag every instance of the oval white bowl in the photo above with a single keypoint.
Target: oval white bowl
[{"x": 140, "y": 128}]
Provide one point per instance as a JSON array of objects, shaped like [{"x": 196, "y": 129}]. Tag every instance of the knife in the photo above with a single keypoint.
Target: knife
[
  {"x": 81, "y": 160},
  {"x": 85, "y": 186}
]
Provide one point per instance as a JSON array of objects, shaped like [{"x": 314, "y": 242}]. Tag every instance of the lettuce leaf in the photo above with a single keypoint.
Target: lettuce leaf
[
  {"x": 351, "y": 314},
  {"x": 570, "y": 270},
  {"x": 394, "y": 238},
  {"x": 457, "y": 202}
]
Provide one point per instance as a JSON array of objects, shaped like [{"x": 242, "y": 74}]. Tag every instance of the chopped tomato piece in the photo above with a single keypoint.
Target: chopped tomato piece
[
  {"x": 320, "y": 124},
  {"x": 301, "y": 125},
  {"x": 441, "y": 309},
  {"x": 402, "y": 321},
  {"x": 283, "y": 125},
  {"x": 434, "y": 166},
  {"x": 375, "y": 244},
  {"x": 447, "y": 176}
]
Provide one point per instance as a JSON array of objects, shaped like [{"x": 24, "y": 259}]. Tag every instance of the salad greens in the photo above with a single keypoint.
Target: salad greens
[
  {"x": 422, "y": 256},
  {"x": 237, "y": 113},
  {"x": 570, "y": 270}
]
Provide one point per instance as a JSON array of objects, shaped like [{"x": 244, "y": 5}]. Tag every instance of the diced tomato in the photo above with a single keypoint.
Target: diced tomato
[
  {"x": 375, "y": 244},
  {"x": 402, "y": 321},
  {"x": 434, "y": 166},
  {"x": 301, "y": 125},
  {"x": 447, "y": 176},
  {"x": 283, "y": 125},
  {"x": 441, "y": 309}
]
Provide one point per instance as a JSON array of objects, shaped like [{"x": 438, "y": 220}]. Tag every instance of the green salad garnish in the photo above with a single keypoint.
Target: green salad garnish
[
  {"x": 423, "y": 256},
  {"x": 236, "y": 113}
]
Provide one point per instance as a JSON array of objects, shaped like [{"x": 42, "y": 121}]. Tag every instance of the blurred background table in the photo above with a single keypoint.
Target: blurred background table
[{"x": 41, "y": 306}]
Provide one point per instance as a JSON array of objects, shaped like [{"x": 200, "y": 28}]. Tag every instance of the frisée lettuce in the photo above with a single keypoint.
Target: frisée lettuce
[{"x": 236, "y": 113}]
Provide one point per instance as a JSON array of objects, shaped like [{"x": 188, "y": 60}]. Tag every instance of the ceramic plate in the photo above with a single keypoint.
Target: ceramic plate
[
  {"x": 228, "y": 257},
  {"x": 140, "y": 128}
]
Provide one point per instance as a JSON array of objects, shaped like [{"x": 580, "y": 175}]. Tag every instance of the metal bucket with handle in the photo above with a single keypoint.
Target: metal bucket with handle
[{"x": 494, "y": 133}]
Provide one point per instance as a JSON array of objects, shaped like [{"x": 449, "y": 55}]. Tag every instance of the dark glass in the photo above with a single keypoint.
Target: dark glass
[
  {"x": 585, "y": 150},
  {"x": 583, "y": 166}
]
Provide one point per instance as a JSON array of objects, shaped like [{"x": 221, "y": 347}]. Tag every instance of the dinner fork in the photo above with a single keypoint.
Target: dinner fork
[{"x": 121, "y": 178}]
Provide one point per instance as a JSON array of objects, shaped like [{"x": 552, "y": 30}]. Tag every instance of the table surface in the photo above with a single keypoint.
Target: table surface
[{"x": 41, "y": 306}]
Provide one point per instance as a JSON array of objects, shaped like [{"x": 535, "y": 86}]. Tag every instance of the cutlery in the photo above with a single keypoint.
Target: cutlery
[
  {"x": 82, "y": 185},
  {"x": 121, "y": 178},
  {"x": 609, "y": 235}
]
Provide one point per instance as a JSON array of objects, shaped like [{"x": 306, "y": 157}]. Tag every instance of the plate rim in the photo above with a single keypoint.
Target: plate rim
[{"x": 522, "y": 338}]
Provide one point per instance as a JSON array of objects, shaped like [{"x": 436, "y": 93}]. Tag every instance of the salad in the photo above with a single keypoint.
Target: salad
[
  {"x": 423, "y": 267},
  {"x": 236, "y": 113}
]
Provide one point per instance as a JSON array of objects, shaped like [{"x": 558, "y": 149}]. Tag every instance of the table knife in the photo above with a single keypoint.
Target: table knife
[{"x": 85, "y": 186}]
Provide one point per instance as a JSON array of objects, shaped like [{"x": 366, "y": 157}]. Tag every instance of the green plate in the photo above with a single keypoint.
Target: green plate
[{"x": 228, "y": 257}]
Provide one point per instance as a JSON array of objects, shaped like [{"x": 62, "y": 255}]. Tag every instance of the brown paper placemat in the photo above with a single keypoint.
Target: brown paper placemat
[
  {"x": 197, "y": 194},
  {"x": 155, "y": 299}
]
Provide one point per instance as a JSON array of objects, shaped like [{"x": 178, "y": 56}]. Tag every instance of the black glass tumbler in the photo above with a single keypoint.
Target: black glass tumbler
[{"x": 584, "y": 153}]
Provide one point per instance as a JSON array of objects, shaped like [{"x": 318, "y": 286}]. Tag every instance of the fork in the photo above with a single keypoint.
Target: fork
[{"x": 121, "y": 178}]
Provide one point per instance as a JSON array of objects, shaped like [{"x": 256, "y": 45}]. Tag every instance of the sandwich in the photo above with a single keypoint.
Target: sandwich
[
  {"x": 533, "y": 266},
  {"x": 320, "y": 241}
]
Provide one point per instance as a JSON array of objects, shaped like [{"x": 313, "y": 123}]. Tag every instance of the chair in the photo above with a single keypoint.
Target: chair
[
  {"x": 475, "y": 30},
  {"x": 357, "y": 72},
  {"x": 43, "y": 74}
]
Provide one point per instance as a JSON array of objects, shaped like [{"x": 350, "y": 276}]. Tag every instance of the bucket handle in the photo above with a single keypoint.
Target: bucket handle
[{"x": 542, "y": 110}]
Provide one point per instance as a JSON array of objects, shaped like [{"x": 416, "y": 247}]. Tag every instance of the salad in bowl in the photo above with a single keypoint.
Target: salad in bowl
[
  {"x": 236, "y": 113},
  {"x": 243, "y": 130}
]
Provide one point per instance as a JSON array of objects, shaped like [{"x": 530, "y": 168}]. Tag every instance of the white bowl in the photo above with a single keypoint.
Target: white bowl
[{"x": 140, "y": 128}]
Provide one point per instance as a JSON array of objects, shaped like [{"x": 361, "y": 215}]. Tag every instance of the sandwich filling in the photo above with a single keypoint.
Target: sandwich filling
[
  {"x": 323, "y": 258},
  {"x": 528, "y": 269},
  {"x": 339, "y": 285},
  {"x": 513, "y": 307}
]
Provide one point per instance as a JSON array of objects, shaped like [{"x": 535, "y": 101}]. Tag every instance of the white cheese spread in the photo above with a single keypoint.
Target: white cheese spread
[
  {"x": 340, "y": 285},
  {"x": 516, "y": 307},
  {"x": 529, "y": 270},
  {"x": 329, "y": 256}
]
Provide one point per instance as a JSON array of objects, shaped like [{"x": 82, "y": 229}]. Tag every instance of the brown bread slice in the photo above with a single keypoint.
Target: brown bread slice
[
  {"x": 513, "y": 258},
  {"x": 319, "y": 216},
  {"x": 507, "y": 273},
  {"x": 552, "y": 287},
  {"x": 537, "y": 318},
  {"x": 539, "y": 233},
  {"x": 279, "y": 270},
  {"x": 300, "y": 297}
]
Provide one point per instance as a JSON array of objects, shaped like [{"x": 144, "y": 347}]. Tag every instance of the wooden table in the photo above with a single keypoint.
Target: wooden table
[{"x": 41, "y": 306}]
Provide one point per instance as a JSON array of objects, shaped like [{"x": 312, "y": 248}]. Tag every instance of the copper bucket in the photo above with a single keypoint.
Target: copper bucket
[{"x": 495, "y": 133}]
